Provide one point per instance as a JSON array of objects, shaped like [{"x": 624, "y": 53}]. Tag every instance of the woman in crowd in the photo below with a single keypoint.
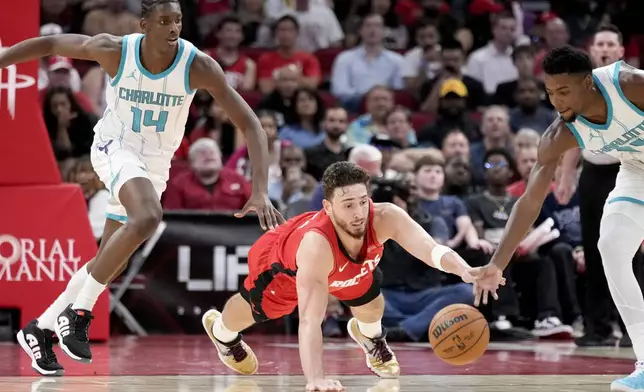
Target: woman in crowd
[
  {"x": 70, "y": 128},
  {"x": 304, "y": 128}
]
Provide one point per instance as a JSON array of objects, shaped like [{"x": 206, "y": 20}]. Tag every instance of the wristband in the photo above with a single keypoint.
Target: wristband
[{"x": 437, "y": 254}]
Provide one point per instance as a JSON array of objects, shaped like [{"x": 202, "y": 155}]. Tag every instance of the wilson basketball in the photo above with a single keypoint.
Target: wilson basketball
[{"x": 459, "y": 334}]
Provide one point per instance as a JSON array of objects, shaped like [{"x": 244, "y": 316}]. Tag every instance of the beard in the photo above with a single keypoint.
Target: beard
[
  {"x": 334, "y": 135},
  {"x": 356, "y": 233}
]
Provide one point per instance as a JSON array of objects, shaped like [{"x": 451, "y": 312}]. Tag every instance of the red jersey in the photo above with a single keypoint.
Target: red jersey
[
  {"x": 276, "y": 250},
  {"x": 270, "y": 62},
  {"x": 234, "y": 72}
]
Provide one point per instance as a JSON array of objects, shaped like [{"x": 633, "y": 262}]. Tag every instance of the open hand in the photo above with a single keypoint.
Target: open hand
[
  {"x": 564, "y": 190},
  {"x": 486, "y": 246},
  {"x": 486, "y": 280},
  {"x": 269, "y": 217}
]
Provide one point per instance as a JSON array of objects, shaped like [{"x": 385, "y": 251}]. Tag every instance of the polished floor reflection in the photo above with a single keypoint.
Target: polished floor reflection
[{"x": 190, "y": 364}]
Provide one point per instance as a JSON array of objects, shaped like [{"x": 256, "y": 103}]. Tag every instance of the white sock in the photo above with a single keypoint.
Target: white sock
[
  {"x": 222, "y": 333},
  {"x": 370, "y": 330},
  {"x": 48, "y": 319},
  {"x": 88, "y": 295}
]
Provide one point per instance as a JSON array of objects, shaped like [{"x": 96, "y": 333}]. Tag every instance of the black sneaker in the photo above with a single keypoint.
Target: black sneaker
[
  {"x": 397, "y": 334},
  {"x": 71, "y": 328},
  {"x": 590, "y": 340},
  {"x": 38, "y": 344}
]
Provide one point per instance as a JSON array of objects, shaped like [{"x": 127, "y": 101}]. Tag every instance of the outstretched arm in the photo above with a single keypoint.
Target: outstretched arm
[
  {"x": 554, "y": 143},
  {"x": 314, "y": 263},
  {"x": 205, "y": 73},
  {"x": 102, "y": 48},
  {"x": 394, "y": 223}
]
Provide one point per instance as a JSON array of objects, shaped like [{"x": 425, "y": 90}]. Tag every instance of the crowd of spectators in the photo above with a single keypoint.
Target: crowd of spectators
[{"x": 442, "y": 102}]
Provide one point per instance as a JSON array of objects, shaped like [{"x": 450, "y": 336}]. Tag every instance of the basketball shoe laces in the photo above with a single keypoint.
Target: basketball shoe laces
[
  {"x": 238, "y": 352},
  {"x": 380, "y": 350},
  {"x": 639, "y": 368},
  {"x": 81, "y": 329},
  {"x": 50, "y": 355}
]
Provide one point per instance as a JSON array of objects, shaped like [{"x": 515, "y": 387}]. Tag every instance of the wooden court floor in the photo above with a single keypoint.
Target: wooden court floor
[{"x": 190, "y": 364}]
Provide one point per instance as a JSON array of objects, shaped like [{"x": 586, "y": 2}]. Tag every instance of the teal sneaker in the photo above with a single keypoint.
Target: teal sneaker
[{"x": 632, "y": 383}]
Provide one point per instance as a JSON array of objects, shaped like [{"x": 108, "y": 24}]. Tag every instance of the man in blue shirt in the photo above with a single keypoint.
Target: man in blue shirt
[
  {"x": 356, "y": 71},
  {"x": 430, "y": 178}
]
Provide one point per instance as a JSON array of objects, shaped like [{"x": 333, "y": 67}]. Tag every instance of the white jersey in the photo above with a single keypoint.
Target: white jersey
[
  {"x": 622, "y": 136},
  {"x": 146, "y": 111},
  {"x": 143, "y": 123}
]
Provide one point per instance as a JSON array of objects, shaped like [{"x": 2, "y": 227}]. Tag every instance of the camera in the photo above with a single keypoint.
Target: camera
[{"x": 384, "y": 190}]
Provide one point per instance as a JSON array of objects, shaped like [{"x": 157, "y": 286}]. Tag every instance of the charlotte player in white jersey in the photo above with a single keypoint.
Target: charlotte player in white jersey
[
  {"x": 153, "y": 78},
  {"x": 601, "y": 111}
]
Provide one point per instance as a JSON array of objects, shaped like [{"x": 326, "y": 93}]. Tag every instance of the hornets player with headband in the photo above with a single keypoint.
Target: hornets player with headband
[
  {"x": 602, "y": 111},
  {"x": 153, "y": 78}
]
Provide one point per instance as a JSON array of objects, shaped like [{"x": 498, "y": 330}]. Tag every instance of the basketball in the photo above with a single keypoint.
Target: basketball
[{"x": 459, "y": 334}]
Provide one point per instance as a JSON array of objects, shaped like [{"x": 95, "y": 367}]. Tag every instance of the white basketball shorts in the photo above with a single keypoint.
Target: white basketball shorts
[
  {"x": 628, "y": 195},
  {"x": 116, "y": 161}
]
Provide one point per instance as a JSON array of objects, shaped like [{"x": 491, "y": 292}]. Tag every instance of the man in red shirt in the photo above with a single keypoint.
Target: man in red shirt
[
  {"x": 208, "y": 185},
  {"x": 285, "y": 31},
  {"x": 333, "y": 251},
  {"x": 240, "y": 70}
]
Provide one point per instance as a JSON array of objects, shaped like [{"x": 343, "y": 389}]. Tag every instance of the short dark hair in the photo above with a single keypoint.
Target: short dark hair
[
  {"x": 369, "y": 16},
  {"x": 230, "y": 18},
  {"x": 567, "y": 60},
  {"x": 531, "y": 79},
  {"x": 425, "y": 22},
  {"x": 451, "y": 44},
  {"x": 429, "y": 160},
  {"x": 334, "y": 108},
  {"x": 286, "y": 18},
  {"x": 148, "y": 5},
  {"x": 453, "y": 131},
  {"x": 610, "y": 28},
  {"x": 341, "y": 174},
  {"x": 522, "y": 50}
]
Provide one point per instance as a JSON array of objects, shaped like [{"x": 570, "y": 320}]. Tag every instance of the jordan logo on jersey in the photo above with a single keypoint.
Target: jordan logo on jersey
[
  {"x": 150, "y": 97},
  {"x": 630, "y": 141},
  {"x": 104, "y": 147}
]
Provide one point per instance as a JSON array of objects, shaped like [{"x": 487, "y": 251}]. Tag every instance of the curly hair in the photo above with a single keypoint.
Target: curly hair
[
  {"x": 567, "y": 60},
  {"x": 148, "y": 5},
  {"x": 342, "y": 174}
]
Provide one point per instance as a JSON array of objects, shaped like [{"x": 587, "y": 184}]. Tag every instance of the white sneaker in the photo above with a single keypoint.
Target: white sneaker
[
  {"x": 551, "y": 327},
  {"x": 501, "y": 324},
  {"x": 578, "y": 327}
]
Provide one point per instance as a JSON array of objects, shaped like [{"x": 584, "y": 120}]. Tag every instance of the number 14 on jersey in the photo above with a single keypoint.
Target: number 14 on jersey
[{"x": 146, "y": 118}]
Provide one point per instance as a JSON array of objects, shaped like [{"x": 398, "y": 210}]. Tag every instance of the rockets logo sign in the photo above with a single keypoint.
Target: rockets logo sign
[{"x": 10, "y": 82}]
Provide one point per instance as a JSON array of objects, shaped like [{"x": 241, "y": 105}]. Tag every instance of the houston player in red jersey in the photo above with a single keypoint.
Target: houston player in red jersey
[{"x": 333, "y": 251}]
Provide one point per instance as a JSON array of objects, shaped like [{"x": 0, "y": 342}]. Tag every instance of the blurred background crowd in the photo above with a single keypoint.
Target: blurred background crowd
[{"x": 442, "y": 102}]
